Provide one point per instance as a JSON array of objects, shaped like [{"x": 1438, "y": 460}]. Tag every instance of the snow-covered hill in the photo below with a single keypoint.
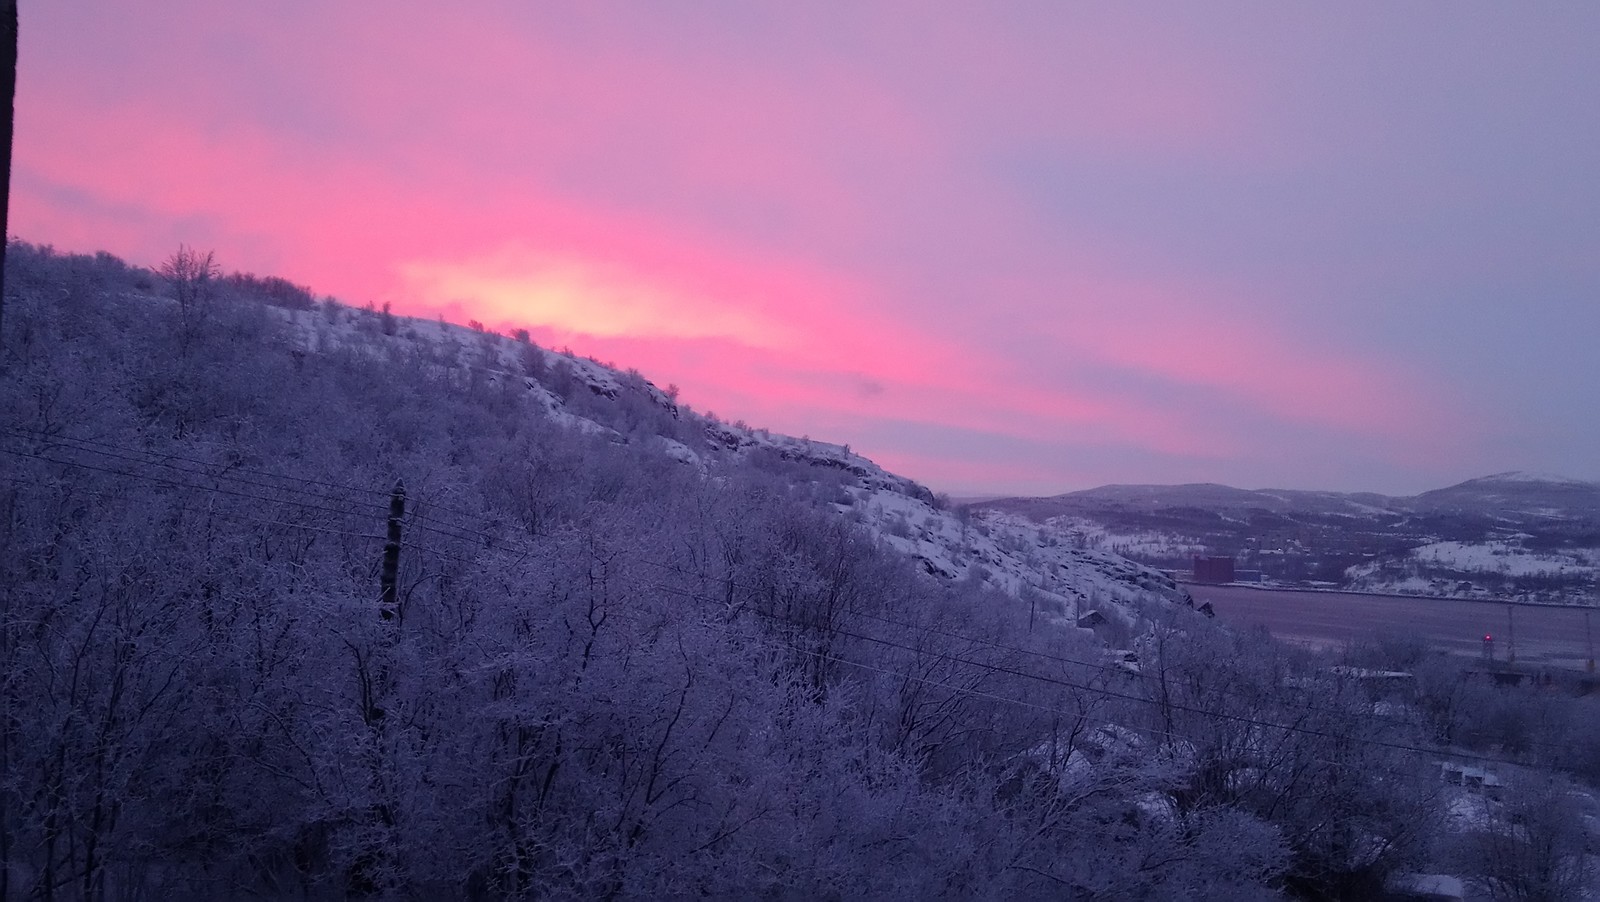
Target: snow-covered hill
[
  {"x": 601, "y": 645},
  {"x": 1007, "y": 552},
  {"x": 1516, "y": 495},
  {"x": 1507, "y": 536}
]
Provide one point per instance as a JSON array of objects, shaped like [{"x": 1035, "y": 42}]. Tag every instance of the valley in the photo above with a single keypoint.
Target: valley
[{"x": 1507, "y": 537}]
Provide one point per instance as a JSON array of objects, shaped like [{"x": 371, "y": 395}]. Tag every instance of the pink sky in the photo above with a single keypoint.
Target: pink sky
[{"x": 1011, "y": 248}]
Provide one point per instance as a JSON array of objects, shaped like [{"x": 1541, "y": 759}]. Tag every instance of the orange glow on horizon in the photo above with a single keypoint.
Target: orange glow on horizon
[{"x": 583, "y": 298}]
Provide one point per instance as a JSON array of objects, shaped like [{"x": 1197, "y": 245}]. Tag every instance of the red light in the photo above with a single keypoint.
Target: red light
[{"x": 1488, "y": 638}]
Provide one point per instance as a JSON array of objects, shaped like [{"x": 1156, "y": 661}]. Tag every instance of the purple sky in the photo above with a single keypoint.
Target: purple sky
[{"x": 1012, "y": 247}]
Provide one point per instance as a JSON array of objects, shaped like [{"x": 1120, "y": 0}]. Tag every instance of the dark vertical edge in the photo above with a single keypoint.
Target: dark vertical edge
[
  {"x": 8, "y": 84},
  {"x": 391, "y": 553}
]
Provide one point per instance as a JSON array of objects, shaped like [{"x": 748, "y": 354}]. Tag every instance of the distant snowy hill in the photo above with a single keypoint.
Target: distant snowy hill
[
  {"x": 1515, "y": 494},
  {"x": 1200, "y": 496},
  {"x": 1512, "y": 535},
  {"x": 1512, "y": 493}
]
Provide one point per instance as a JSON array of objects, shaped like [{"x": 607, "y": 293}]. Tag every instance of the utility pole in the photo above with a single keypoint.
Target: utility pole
[
  {"x": 390, "y": 577},
  {"x": 1511, "y": 636},
  {"x": 374, "y": 673},
  {"x": 1588, "y": 639}
]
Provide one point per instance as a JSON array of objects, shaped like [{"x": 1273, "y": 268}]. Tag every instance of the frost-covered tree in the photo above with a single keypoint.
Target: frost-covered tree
[
  {"x": 1263, "y": 731},
  {"x": 610, "y": 672},
  {"x": 190, "y": 276},
  {"x": 1532, "y": 848}
]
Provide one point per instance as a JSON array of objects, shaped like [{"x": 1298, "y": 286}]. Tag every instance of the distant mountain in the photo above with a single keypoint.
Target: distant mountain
[
  {"x": 1513, "y": 534},
  {"x": 1511, "y": 492},
  {"x": 1199, "y": 496},
  {"x": 1516, "y": 493}
]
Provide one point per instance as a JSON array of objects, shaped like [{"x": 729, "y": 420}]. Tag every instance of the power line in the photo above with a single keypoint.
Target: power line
[
  {"x": 1110, "y": 693},
  {"x": 209, "y": 512},
  {"x": 159, "y": 458},
  {"x": 57, "y": 437},
  {"x": 1045, "y": 655},
  {"x": 1176, "y": 738},
  {"x": 224, "y": 475},
  {"x": 1102, "y": 691},
  {"x": 173, "y": 482}
]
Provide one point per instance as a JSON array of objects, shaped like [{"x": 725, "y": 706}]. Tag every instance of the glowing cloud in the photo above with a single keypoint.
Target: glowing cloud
[
  {"x": 1062, "y": 245},
  {"x": 579, "y": 297}
]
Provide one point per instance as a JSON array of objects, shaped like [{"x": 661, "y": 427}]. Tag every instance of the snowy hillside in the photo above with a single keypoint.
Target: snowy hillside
[
  {"x": 313, "y": 601},
  {"x": 1061, "y": 581},
  {"x": 1066, "y": 564},
  {"x": 1516, "y": 495}
]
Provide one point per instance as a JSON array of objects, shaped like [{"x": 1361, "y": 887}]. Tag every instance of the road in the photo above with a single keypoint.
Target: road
[{"x": 1544, "y": 635}]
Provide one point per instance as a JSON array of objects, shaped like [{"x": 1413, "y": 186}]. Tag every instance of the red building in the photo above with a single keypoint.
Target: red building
[{"x": 1213, "y": 569}]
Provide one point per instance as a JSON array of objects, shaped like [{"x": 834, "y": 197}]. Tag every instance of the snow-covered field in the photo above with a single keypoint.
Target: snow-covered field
[
  {"x": 1499, "y": 569},
  {"x": 1507, "y": 558}
]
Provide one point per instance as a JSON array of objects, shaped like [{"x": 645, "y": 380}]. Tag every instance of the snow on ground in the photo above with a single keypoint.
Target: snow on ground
[
  {"x": 1484, "y": 570},
  {"x": 450, "y": 347},
  {"x": 1019, "y": 558},
  {"x": 1506, "y": 558},
  {"x": 680, "y": 452}
]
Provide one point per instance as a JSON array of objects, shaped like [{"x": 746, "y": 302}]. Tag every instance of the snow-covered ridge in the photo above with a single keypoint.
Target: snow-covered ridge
[
  {"x": 1020, "y": 558},
  {"x": 1009, "y": 553},
  {"x": 1524, "y": 476}
]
